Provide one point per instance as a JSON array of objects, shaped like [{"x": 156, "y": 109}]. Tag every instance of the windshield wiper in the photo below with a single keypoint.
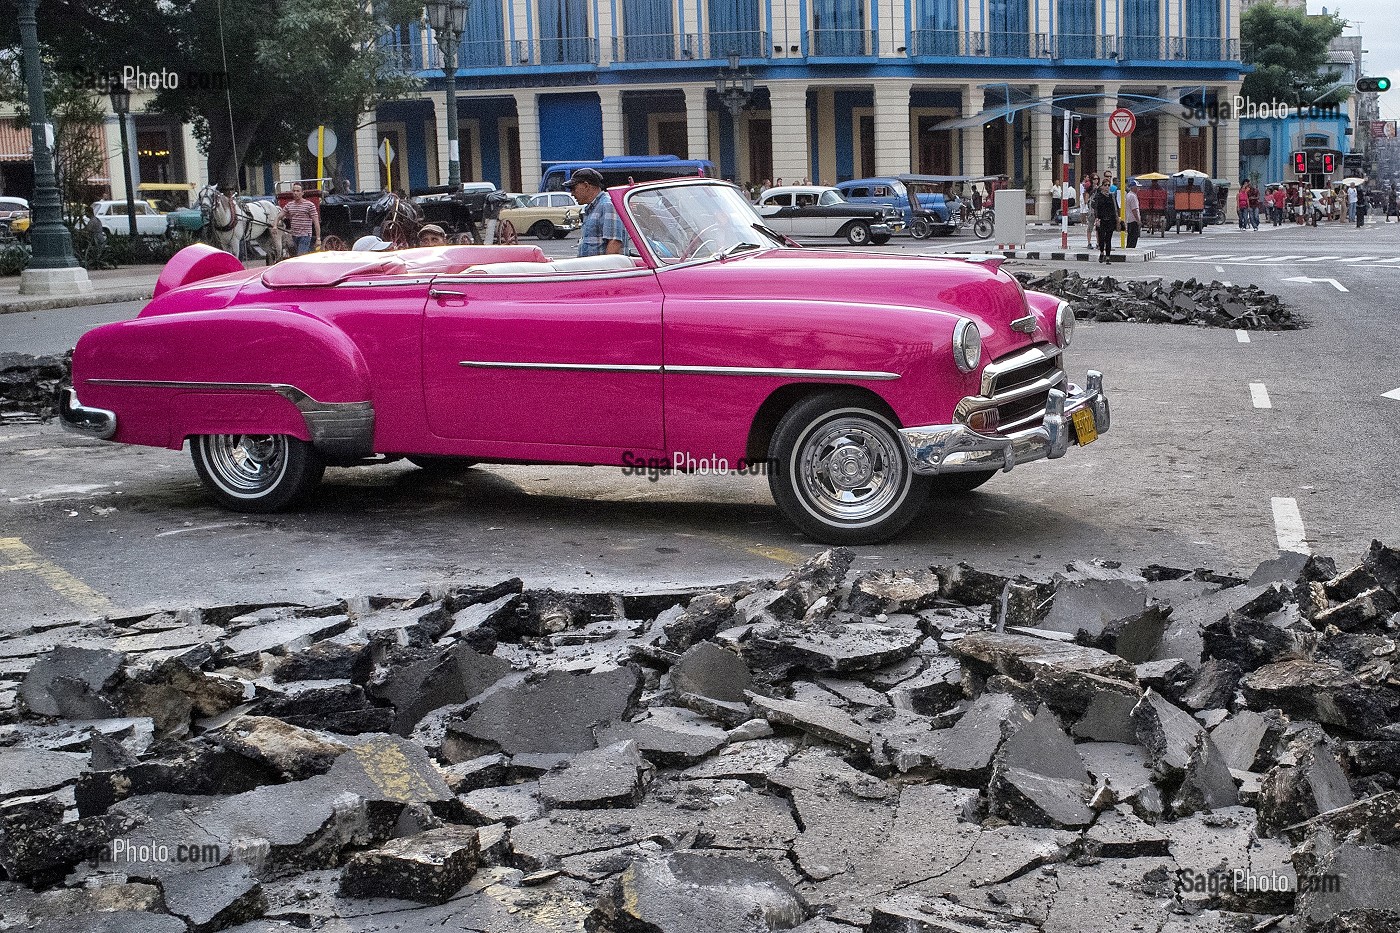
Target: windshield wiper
[
  {"x": 769, "y": 231},
  {"x": 737, "y": 248}
]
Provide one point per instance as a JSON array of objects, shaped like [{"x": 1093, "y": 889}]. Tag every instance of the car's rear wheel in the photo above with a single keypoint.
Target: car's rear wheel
[
  {"x": 858, "y": 233},
  {"x": 921, "y": 229},
  {"x": 841, "y": 473},
  {"x": 956, "y": 484},
  {"x": 256, "y": 472},
  {"x": 543, "y": 230}
]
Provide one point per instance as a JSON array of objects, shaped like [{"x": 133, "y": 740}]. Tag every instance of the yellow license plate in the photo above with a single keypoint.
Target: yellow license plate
[{"x": 1084, "y": 428}]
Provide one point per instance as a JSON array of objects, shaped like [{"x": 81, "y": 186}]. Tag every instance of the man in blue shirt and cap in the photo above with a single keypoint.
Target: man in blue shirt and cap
[{"x": 602, "y": 230}]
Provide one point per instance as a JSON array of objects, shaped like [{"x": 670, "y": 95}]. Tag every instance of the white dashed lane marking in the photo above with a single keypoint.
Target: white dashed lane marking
[
  {"x": 1260, "y": 395},
  {"x": 1242, "y": 336},
  {"x": 1288, "y": 526}
]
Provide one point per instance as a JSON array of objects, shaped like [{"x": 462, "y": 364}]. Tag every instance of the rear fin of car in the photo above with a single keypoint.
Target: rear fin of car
[{"x": 193, "y": 263}]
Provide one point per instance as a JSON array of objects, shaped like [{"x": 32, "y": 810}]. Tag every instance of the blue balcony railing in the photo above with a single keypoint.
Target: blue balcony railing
[
  {"x": 751, "y": 43},
  {"x": 681, "y": 47},
  {"x": 842, "y": 42}
]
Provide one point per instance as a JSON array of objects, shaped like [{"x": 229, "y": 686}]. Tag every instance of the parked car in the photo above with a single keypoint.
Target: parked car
[
  {"x": 859, "y": 383},
  {"x": 815, "y": 210},
  {"x": 114, "y": 218},
  {"x": 549, "y": 215},
  {"x": 11, "y": 210},
  {"x": 894, "y": 192}
]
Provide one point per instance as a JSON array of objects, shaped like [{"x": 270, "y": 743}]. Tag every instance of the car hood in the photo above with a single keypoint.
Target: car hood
[{"x": 981, "y": 291}]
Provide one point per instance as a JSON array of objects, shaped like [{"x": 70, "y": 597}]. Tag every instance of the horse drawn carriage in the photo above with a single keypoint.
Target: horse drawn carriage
[{"x": 467, "y": 216}]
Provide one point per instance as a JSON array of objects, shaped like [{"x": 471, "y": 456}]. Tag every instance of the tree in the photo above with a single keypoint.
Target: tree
[
  {"x": 79, "y": 147},
  {"x": 254, "y": 76},
  {"x": 1288, "y": 50}
]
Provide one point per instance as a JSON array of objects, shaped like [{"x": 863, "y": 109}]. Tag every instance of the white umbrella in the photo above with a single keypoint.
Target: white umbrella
[
  {"x": 1353, "y": 182},
  {"x": 1190, "y": 173}
]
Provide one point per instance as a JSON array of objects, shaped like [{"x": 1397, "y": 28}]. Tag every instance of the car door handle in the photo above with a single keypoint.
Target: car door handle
[{"x": 445, "y": 293}]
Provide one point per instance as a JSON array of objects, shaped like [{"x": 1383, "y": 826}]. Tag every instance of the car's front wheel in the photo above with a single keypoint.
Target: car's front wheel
[
  {"x": 858, "y": 233},
  {"x": 543, "y": 230},
  {"x": 841, "y": 473},
  {"x": 256, "y": 472}
]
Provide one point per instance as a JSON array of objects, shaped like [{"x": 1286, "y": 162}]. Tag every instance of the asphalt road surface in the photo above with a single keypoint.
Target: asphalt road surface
[{"x": 1221, "y": 451}]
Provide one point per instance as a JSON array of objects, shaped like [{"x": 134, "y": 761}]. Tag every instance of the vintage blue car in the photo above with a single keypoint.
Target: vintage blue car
[{"x": 936, "y": 196}]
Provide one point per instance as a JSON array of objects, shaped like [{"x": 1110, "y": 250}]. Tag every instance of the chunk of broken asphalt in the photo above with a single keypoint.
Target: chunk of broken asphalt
[
  {"x": 605, "y": 777},
  {"x": 1323, "y": 693},
  {"x": 429, "y": 867},
  {"x": 692, "y": 892},
  {"x": 816, "y": 719},
  {"x": 555, "y": 712},
  {"x": 667, "y": 735},
  {"x": 1039, "y": 779},
  {"x": 214, "y": 898},
  {"x": 76, "y": 683},
  {"x": 708, "y": 670}
]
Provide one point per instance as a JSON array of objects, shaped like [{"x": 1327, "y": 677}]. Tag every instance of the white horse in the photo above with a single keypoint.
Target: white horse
[
  {"x": 233, "y": 224},
  {"x": 263, "y": 221},
  {"x": 224, "y": 221}
]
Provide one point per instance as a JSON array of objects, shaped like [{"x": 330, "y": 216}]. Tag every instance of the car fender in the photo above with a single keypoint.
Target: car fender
[{"x": 239, "y": 371}]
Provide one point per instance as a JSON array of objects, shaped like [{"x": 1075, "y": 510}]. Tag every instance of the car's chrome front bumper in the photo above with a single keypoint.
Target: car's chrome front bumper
[
  {"x": 952, "y": 448},
  {"x": 89, "y": 422}
]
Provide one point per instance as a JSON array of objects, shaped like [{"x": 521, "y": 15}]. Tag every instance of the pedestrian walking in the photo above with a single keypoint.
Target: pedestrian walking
[
  {"x": 1134, "y": 215},
  {"x": 1392, "y": 205},
  {"x": 1277, "y": 203},
  {"x": 1106, "y": 214},
  {"x": 303, "y": 220},
  {"x": 1361, "y": 208},
  {"x": 1253, "y": 206},
  {"x": 1088, "y": 191},
  {"x": 1351, "y": 202},
  {"x": 1055, "y": 198},
  {"x": 1242, "y": 205}
]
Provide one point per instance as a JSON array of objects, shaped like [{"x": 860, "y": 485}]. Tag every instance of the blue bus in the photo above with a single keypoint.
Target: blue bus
[{"x": 622, "y": 170}]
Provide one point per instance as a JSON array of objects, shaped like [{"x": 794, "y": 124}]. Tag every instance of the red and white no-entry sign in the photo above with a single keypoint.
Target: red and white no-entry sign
[{"x": 1122, "y": 122}]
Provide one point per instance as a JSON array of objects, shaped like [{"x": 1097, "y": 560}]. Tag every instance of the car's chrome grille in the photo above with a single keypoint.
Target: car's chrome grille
[{"x": 1017, "y": 386}]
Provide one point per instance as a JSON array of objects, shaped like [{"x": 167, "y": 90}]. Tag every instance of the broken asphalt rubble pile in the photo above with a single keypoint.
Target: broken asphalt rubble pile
[
  {"x": 940, "y": 751},
  {"x": 1242, "y": 307},
  {"x": 29, "y": 385}
]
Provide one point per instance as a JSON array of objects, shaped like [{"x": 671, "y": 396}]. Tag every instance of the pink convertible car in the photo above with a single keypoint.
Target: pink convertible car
[{"x": 863, "y": 382}]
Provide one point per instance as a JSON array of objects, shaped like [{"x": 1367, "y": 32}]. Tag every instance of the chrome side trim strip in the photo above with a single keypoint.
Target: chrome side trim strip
[
  {"x": 689, "y": 370},
  {"x": 873, "y": 375},
  {"x": 585, "y": 367}
]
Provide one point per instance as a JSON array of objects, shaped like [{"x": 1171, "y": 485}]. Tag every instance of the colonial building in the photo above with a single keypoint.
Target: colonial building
[{"x": 841, "y": 88}]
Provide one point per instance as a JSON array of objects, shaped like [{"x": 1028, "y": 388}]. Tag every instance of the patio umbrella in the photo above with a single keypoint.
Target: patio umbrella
[
  {"x": 1153, "y": 176},
  {"x": 1190, "y": 173},
  {"x": 1353, "y": 182}
]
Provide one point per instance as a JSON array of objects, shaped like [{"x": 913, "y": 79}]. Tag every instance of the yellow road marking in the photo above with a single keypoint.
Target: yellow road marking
[
  {"x": 21, "y": 558},
  {"x": 780, "y": 554}
]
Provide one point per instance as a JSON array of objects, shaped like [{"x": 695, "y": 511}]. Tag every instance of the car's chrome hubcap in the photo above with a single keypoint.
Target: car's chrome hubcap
[
  {"x": 246, "y": 463},
  {"x": 850, "y": 472}
]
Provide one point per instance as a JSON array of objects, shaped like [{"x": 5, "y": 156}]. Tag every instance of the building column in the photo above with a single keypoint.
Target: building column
[
  {"x": 369, "y": 174},
  {"x": 1108, "y": 143},
  {"x": 788, "y": 111},
  {"x": 1168, "y": 134},
  {"x": 1227, "y": 145},
  {"x": 196, "y": 167},
  {"x": 614, "y": 128},
  {"x": 527, "y": 112},
  {"x": 825, "y": 117},
  {"x": 973, "y": 154},
  {"x": 440, "y": 135},
  {"x": 892, "y": 137},
  {"x": 697, "y": 122},
  {"x": 1042, "y": 152},
  {"x": 116, "y": 175}
]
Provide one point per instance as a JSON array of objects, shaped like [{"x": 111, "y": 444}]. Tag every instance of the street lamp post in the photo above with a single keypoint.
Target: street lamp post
[
  {"x": 449, "y": 20},
  {"x": 121, "y": 106},
  {"x": 734, "y": 88},
  {"x": 53, "y": 268}
]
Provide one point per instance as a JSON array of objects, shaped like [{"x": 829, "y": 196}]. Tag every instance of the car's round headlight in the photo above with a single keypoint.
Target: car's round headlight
[
  {"x": 1064, "y": 324},
  {"x": 967, "y": 345}
]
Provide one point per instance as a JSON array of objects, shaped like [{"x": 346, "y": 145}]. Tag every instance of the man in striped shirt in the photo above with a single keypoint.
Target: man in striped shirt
[{"x": 304, "y": 220}]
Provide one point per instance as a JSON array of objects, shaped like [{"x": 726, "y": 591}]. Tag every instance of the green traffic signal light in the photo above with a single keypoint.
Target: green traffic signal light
[
  {"x": 1373, "y": 85},
  {"x": 1382, "y": 84}
]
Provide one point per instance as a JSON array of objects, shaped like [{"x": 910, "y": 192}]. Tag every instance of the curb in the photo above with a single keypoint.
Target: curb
[
  {"x": 1060, "y": 255},
  {"x": 18, "y": 306}
]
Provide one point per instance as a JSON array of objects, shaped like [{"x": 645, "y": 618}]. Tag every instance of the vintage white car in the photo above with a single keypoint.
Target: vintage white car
[
  {"x": 112, "y": 214},
  {"x": 815, "y": 210},
  {"x": 549, "y": 215}
]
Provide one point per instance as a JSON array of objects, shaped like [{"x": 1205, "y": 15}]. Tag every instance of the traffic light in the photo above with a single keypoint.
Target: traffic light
[
  {"x": 1300, "y": 163},
  {"x": 1373, "y": 85},
  {"x": 1076, "y": 136},
  {"x": 1329, "y": 163}
]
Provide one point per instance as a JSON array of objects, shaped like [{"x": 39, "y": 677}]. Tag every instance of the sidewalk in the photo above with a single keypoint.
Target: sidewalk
[{"x": 130, "y": 283}]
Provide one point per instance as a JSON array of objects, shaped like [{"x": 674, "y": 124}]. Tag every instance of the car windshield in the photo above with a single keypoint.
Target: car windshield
[
  {"x": 831, "y": 197},
  {"x": 695, "y": 222}
]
